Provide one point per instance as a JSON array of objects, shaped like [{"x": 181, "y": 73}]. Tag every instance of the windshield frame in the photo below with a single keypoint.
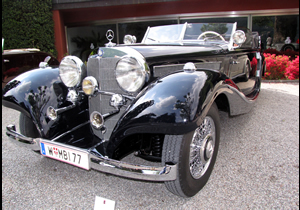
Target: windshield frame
[{"x": 152, "y": 34}]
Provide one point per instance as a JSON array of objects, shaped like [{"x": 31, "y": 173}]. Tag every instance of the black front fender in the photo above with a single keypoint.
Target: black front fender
[
  {"x": 173, "y": 105},
  {"x": 33, "y": 92}
]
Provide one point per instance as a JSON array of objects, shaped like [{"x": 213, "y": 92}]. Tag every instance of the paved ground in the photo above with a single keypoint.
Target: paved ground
[{"x": 257, "y": 168}]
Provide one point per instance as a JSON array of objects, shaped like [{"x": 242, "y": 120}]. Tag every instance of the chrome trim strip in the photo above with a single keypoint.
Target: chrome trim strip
[
  {"x": 63, "y": 109},
  {"x": 104, "y": 164}
]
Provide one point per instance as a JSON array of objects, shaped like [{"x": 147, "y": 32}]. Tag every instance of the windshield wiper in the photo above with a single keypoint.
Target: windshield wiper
[{"x": 152, "y": 39}]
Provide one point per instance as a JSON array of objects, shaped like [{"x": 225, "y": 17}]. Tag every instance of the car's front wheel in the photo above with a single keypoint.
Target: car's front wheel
[
  {"x": 195, "y": 153},
  {"x": 27, "y": 127}
]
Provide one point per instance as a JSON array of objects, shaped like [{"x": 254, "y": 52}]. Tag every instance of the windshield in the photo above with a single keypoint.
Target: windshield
[{"x": 190, "y": 32}]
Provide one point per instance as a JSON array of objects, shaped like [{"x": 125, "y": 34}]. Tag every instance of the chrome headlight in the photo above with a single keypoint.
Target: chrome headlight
[
  {"x": 71, "y": 70},
  {"x": 89, "y": 85},
  {"x": 131, "y": 73},
  {"x": 239, "y": 37}
]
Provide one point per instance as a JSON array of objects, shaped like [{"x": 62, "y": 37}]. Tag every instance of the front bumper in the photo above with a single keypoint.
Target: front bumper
[{"x": 103, "y": 164}]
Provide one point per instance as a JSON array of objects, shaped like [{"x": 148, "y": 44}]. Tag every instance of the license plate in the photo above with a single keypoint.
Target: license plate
[{"x": 64, "y": 154}]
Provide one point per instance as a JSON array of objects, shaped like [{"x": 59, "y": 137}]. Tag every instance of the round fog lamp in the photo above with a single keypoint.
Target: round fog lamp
[
  {"x": 89, "y": 85},
  {"x": 51, "y": 113},
  {"x": 96, "y": 120}
]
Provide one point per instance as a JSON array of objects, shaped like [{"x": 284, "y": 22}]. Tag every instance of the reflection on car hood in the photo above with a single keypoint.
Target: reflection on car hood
[{"x": 160, "y": 51}]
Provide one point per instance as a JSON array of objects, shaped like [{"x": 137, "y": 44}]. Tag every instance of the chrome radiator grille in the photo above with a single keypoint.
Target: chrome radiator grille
[{"x": 103, "y": 70}]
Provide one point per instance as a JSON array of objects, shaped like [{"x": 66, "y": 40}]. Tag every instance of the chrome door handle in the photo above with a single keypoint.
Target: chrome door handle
[{"x": 234, "y": 62}]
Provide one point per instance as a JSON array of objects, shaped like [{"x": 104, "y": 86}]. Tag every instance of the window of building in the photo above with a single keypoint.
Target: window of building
[
  {"x": 275, "y": 30},
  {"x": 242, "y": 22},
  {"x": 82, "y": 40}
]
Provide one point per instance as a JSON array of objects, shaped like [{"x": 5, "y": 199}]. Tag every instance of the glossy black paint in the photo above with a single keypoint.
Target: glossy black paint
[
  {"x": 173, "y": 105},
  {"x": 170, "y": 53},
  {"x": 34, "y": 91}
]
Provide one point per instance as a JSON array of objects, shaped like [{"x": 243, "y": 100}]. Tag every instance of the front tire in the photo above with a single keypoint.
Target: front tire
[
  {"x": 247, "y": 71},
  {"x": 195, "y": 153},
  {"x": 27, "y": 127}
]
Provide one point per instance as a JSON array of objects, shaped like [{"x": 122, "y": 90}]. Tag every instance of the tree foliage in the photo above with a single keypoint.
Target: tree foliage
[
  {"x": 84, "y": 44},
  {"x": 220, "y": 28},
  {"x": 28, "y": 24}
]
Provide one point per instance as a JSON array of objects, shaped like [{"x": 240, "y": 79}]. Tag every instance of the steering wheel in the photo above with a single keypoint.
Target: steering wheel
[{"x": 210, "y": 32}]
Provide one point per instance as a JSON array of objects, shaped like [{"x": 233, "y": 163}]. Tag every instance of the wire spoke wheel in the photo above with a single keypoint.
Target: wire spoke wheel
[
  {"x": 202, "y": 148},
  {"x": 195, "y": 153}
]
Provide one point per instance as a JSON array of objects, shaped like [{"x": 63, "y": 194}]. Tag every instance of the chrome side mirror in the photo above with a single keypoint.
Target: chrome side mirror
[{"x": 239, "y": 37}]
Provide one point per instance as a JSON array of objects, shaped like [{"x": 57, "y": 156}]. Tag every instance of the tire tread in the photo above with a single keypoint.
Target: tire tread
[
  {"x": 176, "y": 151},
  {"x": 27, "y": 127},
  {"x": 171, "y": 151}
]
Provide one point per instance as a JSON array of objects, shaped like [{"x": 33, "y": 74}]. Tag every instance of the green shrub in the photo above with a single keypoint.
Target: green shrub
[{"x": 28, "y": 24}]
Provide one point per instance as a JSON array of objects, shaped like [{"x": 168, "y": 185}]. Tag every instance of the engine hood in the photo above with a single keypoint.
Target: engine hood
[
  {"x": 150, "y": 52},
  {"x": 162, "y": 53}
]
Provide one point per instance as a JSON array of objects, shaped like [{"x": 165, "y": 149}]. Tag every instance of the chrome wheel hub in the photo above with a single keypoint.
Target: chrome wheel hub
[{"x": 202, "y": 148}]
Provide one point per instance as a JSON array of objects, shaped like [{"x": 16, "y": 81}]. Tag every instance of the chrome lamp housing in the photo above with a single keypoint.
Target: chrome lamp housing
[
  {"x": 131, "y": 73},
  {"x": 89, "y": 85},
  {"x": 71, "y": 71}
]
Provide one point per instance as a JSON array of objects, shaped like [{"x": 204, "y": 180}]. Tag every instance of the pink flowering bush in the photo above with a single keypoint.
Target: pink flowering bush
[
  {"x": 280, "y": 67},
  {"x": 292, "y": 71},
  {"x": 276, "y": 66}
]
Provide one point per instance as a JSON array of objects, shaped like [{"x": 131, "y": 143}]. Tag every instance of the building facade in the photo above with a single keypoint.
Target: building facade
[{"x": 80, "y": 25}]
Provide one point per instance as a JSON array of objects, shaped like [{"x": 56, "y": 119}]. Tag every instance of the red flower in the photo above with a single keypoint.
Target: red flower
[
  {"x": 276, "y": 66},
  {"x": 292, "y": 71}
]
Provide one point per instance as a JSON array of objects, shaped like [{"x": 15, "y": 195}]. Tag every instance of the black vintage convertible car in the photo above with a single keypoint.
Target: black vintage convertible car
[{"x": 158, "y": 99}]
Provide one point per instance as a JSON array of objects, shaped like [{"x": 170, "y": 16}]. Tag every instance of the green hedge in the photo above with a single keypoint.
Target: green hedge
[{"x": 28, "y": 24}]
